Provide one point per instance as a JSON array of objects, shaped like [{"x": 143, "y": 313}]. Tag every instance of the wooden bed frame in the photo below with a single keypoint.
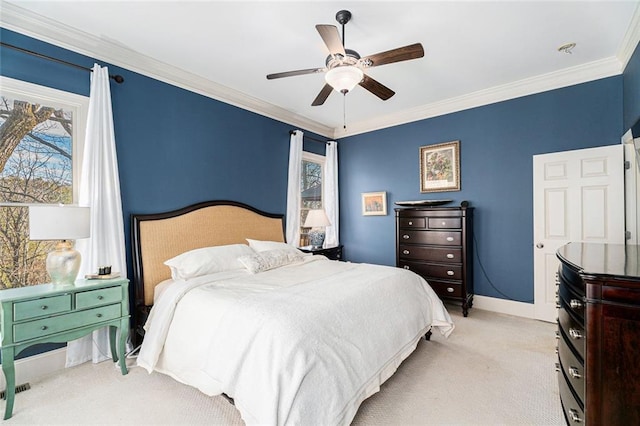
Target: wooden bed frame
[{"x": 158, "y": 237}]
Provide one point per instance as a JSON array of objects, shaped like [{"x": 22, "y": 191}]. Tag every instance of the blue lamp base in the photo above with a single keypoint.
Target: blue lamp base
[{"x": 316, "y": 239}]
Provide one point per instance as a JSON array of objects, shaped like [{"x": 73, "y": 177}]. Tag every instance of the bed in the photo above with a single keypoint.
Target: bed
[{"x": 291, "y": 338}]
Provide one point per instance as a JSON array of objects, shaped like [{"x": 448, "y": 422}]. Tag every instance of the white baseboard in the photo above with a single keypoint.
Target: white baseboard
[
  {"x": 33, "y": 367},
  {"x": 503, "y": 306}
]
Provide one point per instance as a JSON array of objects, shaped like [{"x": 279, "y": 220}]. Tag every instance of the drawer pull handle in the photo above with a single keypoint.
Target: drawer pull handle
[
  {"x": 100, "y": 297},
  {"x": 450, "y": 273},
  {"x": 449, "y": 238},
  {"x": 573, "y": 372},
  {"x": 450, "y": 289},
  {"x": 44, "y": 307},
  {"x": 558, "y": 305},
  {"x": 574, "y": 416},
  {"x": 444, "y": 223},
  {"x": 450, "y": 256},
  {"x": 410, "y": 222},
  {"x": 557, "y": 334},
  {"x": 406, "y": 266},
  {"x": 405, "y": 236},
  {"x": 99, "y": 315},
  {"x": 44, "y": 327},
  {"x": 575, "y": 303},
  {"x": 405, "y": 252},
  {"x": 575, "y": 333},
  {"x": 557, "y": 366}
]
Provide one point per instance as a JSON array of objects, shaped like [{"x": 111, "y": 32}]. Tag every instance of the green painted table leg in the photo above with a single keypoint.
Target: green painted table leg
[
  {"x": 124, "y": 335},
  {"x": 10, "y": 377},
  {"x": 112, "y": 342}
]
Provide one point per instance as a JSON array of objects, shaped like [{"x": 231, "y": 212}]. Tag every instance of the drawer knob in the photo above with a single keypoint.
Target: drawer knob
[
  {"x": 99, "y": 315},
  {"x": 575, "y": 303},
  {"x": 405, "y": 236},
  {"x": 100, "y": 297},
  {"x": 444, "y": 223},
  {"x": 449, "y": 238},
  {"x": 450, "y": 273},
  {"x": 450, "y": 256},
  {"x": 44, "y": 327},
  {"x": 405, "y": 252},
  {"x": 406, "y": 266},
  {"x": 575, "y": 333},
  {"x": 574, "y": 416},
  {"x": 450, "y": 289},
  {"x": 44, "y": 307},
  {"x": 557, "y": 334},
  {"x": 410, "y": 222},
  {"x": 573, "y": 372},
  {"x": 557, "y": 366}
]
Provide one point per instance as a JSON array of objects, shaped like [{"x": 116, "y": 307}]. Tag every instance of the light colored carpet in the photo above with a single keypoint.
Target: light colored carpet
[{"x": 493, "y": 370}]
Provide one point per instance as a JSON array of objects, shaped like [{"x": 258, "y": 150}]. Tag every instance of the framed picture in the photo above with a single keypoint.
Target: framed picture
[
  {"x": 374, "y": 203},
  {"x": 440, "y": 167}
]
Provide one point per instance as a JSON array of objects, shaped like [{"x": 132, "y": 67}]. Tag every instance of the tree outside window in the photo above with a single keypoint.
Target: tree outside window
[
  {"x": 311, "y": 178},
  {"x": 38, "y": 138}
]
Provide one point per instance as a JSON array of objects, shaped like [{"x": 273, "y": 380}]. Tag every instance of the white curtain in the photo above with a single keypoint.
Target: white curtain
[
  {"x": 330, "y": 197},
  {"x": 100, "y": 190},
  {"x": 293, "y": 188}
]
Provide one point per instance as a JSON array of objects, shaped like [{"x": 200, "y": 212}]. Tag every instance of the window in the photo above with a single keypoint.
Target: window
[
  {"x": 41, "y": 136},
  {"x": 311, "y": 178}
]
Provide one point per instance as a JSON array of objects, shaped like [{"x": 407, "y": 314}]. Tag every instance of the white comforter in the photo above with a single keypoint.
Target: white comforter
[{"x": 302, "y": 344}]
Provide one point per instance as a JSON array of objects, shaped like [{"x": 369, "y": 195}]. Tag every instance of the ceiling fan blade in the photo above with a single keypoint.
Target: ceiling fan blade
[
  {"x": 331, "y": 38},
  {"x": 378, "y": 89},
  {"x": 323, "y": 95},
  {"x": 413, "y": 51},
  {"x": 292, "y": 73}
]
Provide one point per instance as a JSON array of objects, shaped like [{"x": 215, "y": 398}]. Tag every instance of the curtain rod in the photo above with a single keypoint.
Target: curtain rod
[
  {"x": 118, "y": 78},
  {"x": 309, "y": 137}
]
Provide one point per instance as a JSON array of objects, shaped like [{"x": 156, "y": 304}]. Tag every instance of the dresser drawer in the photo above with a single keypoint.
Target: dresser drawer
[
  {"x": 433, "y": 254},
  {"x": 573, "y": 410},
  {"x": 64, "y": 322},
  {"x": 573, "y": 331},
  {"x": 573, "y": 301},
  {"x": 452, "y": 271},
  {"x": 572, "y": 367},
  {"x": 446, "y": 289},
  {"x": 445, "y": 223},
  {"x": 413, "y": 222},
  {"x": 41, "y": 307},
  {"x": 103, "y": 296},
  {"x": 441, "y": 238}
]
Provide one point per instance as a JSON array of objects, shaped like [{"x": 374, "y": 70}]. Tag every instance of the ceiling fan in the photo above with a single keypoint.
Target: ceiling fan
[{"x": 344, "y": 68}]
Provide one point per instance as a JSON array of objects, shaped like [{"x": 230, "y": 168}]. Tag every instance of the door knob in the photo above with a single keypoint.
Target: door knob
[{"x": 539, "y": 245}]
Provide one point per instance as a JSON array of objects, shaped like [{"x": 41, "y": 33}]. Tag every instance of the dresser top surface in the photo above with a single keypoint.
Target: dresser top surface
[
  {"x": 42, "y": 290},
  {"x": 617, "y": 260}
]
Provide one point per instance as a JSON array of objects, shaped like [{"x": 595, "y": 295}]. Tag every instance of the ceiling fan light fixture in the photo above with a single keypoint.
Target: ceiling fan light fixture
[{"x": 344, "y": 78}]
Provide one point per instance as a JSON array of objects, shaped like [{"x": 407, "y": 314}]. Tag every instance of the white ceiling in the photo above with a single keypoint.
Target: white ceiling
[{"x": 476, "y": 52}]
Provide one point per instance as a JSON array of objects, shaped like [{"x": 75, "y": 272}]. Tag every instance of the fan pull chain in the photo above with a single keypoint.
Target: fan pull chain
[{"x": 344, "y": 111}]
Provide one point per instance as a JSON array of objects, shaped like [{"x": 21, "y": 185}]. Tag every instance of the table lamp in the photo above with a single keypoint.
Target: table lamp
[
  {"x": 64, "y": 223},
  {"x": 317, "y": 220}
]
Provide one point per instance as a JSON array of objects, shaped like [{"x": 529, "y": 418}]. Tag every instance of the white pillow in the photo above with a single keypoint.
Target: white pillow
[
  {"x": 261, "y": 246},
  {"x": 269, "y": 259},
  {"x": 207, "y": 260}
]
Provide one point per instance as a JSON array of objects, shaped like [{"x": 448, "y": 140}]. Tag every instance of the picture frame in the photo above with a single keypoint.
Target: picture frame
[
  {"x": 374, "y": 203},
  {"x": 440, "y": 167}
]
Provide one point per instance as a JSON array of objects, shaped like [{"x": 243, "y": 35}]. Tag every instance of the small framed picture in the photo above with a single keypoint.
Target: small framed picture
[
  {"x": 440, "y": 167},
  {"x": 374, "y": 203}
]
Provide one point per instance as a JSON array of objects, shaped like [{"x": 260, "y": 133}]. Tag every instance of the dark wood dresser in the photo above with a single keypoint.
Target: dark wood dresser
[
  {"x": 599, "y": 333},
  {"x": 436, "y": 243}
]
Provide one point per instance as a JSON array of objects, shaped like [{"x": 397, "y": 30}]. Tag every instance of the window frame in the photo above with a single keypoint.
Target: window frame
[{"x": 318, "y": 159}]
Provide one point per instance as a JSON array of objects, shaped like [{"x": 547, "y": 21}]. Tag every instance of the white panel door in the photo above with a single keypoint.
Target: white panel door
[{"x": 577, "y": 196}]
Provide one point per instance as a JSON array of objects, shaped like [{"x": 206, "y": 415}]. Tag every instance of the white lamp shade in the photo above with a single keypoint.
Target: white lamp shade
[
  {"x": 58, "y": 222},
  {"x": 316, "y": 218},
  {"x": 344, "y": 78}
]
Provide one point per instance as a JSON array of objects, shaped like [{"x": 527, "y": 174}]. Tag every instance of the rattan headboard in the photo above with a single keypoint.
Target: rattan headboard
[{"x": 158, "y": 237}]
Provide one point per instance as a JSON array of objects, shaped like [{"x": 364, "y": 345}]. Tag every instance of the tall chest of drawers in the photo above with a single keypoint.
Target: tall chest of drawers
[
  {"x": 599, "y": 333},
  {"x": 436, "y": 243}
]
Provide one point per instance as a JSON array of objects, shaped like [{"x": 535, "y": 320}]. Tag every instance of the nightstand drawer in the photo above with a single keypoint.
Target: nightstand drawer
[
  {"x": 41, "y": 307},
  {"x": 103, "y": 296},
  {"x": 56, "y": 324}
]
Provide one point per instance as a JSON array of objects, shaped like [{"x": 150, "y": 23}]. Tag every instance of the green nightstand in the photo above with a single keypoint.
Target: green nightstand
[{"x": 59, "y": 313}]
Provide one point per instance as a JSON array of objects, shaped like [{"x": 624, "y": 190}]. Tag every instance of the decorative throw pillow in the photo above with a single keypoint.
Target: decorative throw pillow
[
  {"x": 207, "y": 260},
  {"x": 270, "y": 259}
]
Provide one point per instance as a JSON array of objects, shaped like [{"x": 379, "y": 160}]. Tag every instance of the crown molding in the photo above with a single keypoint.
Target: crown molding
[{"x": 25, "y": 22}]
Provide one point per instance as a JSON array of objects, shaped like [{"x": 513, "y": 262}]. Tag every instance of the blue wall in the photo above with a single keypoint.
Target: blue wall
[
  {"x": 176, "y": 148},
  {"x": 497, "y": 143}
]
